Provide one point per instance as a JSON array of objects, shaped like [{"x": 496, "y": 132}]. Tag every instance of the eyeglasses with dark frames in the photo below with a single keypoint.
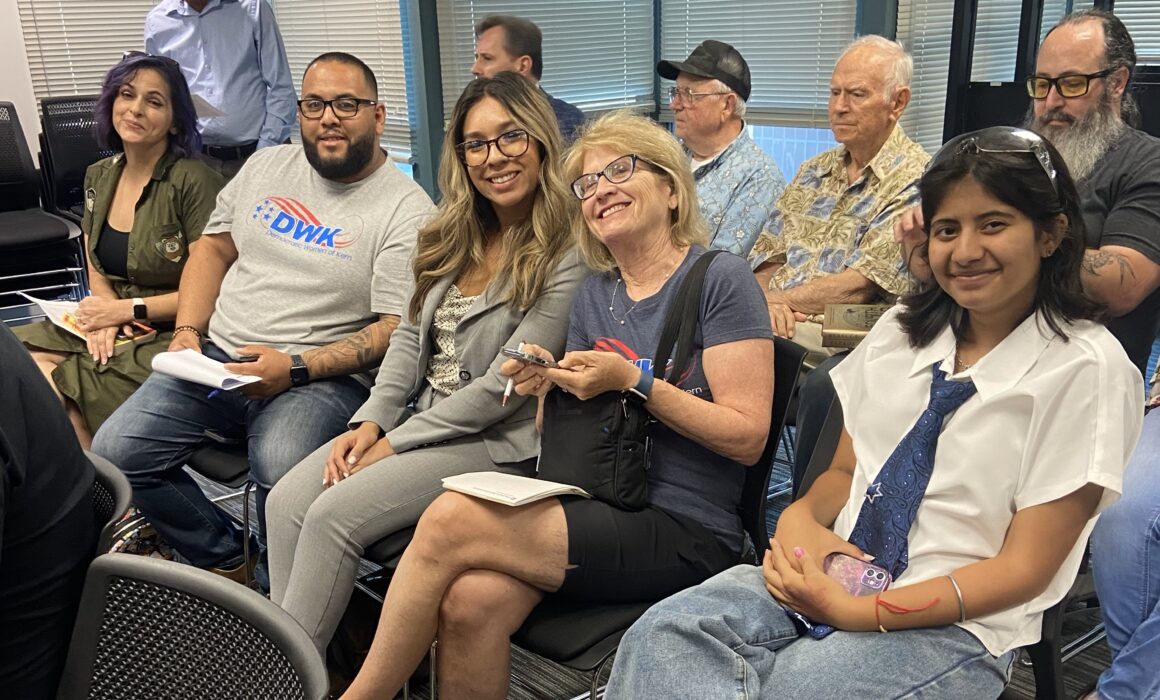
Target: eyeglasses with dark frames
[
  {"x": 343, "y": 107},
  {"x": 511, "y": 144},
  {"x": 141, "y": 54},
  {"x": 616, "y": 172},
  {"x": 687, "y": 95},
  {"x": 1000, "y": 139},
  {"x": 1070, "y": 85}
]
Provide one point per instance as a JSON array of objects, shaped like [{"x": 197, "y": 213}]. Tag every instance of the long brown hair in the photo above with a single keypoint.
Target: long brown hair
[{"x": 455, "y": 237}]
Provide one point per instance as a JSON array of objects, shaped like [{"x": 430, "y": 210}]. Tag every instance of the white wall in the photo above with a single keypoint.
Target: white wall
[{"x": 15, "y": 80}]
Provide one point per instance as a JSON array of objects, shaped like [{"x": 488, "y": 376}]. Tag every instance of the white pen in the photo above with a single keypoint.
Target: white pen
[{"x": 511, "y": 383}]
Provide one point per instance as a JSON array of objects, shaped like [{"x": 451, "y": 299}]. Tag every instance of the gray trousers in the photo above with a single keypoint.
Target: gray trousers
[{"x": 316, "y": 536}]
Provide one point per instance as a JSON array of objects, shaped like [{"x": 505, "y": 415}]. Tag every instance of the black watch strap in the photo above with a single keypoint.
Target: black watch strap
[{"x": 299, "y": 373}]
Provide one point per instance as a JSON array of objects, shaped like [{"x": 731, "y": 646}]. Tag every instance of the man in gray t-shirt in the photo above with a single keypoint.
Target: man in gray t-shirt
[{"x": 301, "y": 275}]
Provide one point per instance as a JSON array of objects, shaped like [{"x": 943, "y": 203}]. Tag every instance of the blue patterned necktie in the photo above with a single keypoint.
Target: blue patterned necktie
[{"x": 892, "y": 500}]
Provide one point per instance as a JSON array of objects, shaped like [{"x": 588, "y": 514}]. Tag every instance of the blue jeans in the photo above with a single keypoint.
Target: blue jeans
[
  {"x": 1126, "y": 564},
  {"x": 728, "y": 638},
  {"x": 151, "y": 436}
]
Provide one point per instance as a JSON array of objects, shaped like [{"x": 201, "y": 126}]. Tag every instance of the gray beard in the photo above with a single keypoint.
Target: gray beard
[{"x": 1082, "y": 142}]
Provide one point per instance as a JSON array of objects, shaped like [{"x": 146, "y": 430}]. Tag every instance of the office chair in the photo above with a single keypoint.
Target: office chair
[
  {"x": 39, "y": 253},
  {"x": 112, "y": 495},
  {"x": 150, "y": 628}
]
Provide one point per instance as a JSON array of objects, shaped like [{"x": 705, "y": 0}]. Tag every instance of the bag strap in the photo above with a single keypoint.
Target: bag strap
[{"x": 681, "y": 321}]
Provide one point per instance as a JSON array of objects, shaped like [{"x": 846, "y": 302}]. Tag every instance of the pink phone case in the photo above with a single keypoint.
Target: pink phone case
[{"x": 856, "y": 576}]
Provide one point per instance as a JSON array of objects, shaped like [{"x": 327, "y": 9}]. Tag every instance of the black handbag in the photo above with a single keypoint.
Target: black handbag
[{"x": 603, "y": 445}]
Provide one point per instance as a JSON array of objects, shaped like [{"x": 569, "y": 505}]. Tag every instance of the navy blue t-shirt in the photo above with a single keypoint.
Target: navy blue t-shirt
[{"x": 685, "y": 477}]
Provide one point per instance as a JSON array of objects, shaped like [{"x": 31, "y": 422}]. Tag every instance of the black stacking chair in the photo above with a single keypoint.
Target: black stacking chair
[
  {"x": 39, "y": 253},
  {"x": 583, "y": 636},
  {"x": 150, "y": 628},
  {"x": 68, "y": 148},
  {"x": 226, "y": 461},
  {"x": 112, "y": 495}
]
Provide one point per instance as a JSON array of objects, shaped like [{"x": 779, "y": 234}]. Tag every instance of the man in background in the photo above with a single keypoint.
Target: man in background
[
  {"x": 737, "y": 182},
  {"x": 503, "y": 42},
  {"x": 232, "y": 56}
]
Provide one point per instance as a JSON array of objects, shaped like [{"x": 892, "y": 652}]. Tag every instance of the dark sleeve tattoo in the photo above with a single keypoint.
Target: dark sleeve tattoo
[
  {"x": 362, "y": 351},
  {"x": 1096, "y": 260}
]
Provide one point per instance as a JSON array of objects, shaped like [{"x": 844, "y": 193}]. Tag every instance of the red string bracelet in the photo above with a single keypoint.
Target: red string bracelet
[{"x": 896, "y": 609}]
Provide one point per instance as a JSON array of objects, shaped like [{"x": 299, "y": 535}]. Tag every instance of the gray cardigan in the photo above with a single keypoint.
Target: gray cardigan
[{"x": 474, "y": 408}]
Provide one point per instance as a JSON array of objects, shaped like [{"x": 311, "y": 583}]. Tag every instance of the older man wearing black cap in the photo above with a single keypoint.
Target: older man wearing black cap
[{"x": 737, "y": 182}]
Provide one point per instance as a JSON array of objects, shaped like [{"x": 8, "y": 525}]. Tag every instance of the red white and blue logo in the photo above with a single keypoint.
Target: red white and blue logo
[
  {"x": 289, "y": 218},
  {"x": 606, "y": 344}
]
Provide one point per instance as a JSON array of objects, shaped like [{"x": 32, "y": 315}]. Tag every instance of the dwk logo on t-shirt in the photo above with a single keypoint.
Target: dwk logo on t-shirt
[{"x": 290, "y": 218}]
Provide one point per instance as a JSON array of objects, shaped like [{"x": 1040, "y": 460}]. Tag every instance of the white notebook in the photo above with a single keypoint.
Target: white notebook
[
  {"x": 509, "y": 489},
  {"x": 192, "y": 366}
]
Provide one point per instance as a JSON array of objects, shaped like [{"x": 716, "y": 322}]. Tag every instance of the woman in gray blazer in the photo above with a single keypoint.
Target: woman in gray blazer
[{"x": 496, "y": 266}]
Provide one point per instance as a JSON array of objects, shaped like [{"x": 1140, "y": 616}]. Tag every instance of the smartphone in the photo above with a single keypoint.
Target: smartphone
[
  {"x": 527, "y": 357},
  {"x": 247, "y": 358},
  {"x": 856, "y": 576}
]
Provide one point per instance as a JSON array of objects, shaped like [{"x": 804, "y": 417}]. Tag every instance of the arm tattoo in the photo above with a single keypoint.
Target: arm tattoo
[
  {"x": 362, "y": 351},
  {"x": 1095, "y": 260}
]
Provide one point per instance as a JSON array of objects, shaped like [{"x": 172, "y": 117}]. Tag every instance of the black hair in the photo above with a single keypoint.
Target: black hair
[
  {"x": 1017, "y": 180},
  {"x": 521, "y": 37},
  {"x": 186, "y": 143},
  {"x": 349, "y": 60}
]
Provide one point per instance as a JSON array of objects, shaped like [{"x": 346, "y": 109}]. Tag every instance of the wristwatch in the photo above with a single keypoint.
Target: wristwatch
[
  {"x": 140, "y": 311},
  {"x": 299, "y": 373}
]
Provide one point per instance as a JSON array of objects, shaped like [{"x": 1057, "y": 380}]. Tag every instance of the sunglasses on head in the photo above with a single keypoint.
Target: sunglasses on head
[
  {"x": 999, "y": 139},
  {"x": 141, "y": 54}
]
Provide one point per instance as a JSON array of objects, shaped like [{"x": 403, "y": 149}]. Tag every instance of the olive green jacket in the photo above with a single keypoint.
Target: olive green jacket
[{"x": 174, "y": 208}]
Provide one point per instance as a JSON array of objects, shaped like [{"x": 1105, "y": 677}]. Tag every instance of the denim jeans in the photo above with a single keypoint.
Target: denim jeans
[
  {"x": 728, "y": 638},
  {"x": 1126, "y": 564},
  {"x": 152, "y": 434}
]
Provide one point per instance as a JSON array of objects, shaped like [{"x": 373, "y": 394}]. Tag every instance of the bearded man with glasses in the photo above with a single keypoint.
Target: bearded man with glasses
[
  {"x": 737, "y": 182},
  {"x": 298, "y": 280}
]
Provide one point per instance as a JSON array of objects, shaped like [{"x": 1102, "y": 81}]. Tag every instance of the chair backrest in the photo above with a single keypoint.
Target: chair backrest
[
  {"x": 70, "y": 141},
  {"x": 150, "y": 628},
  {"x": 788, "y": 357},
  {"x": 111, "y": 497},
  {"x": 19, "y": 187}
]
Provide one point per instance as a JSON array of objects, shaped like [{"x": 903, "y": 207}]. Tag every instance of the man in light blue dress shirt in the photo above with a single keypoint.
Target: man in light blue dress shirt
[{"x": 232, "y": 55}]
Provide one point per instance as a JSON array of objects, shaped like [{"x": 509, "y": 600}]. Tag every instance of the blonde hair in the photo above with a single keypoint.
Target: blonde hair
[
  {"x": 625, "y": 132},
  {"x": 455, "y": 237}
]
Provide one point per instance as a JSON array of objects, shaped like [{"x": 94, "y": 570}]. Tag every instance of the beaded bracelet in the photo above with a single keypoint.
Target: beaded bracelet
[{"x": 191, "y": 329}]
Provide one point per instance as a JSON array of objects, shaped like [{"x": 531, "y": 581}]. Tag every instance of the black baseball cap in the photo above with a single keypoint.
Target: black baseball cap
[{"x": 705, "y": 61}]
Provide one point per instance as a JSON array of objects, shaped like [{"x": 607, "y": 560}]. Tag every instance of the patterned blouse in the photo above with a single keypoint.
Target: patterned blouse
[
  {"x": 824, "y": 224},
  {"x": 443, "y": 367}
]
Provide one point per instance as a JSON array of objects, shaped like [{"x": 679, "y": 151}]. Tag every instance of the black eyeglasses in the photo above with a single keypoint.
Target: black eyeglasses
[
  {"x": 512, "y": 144},
  {"x": 344, "y": 107},
  {"x": 141, "y": 54},
  {"x": 615, "y": 172},
  {"x": 1070, "y": 85},
  {"x": 999, "y": 139}
]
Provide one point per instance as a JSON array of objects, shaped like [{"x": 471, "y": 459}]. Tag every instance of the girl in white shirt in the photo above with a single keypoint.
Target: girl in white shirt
[{"x": 1021, "y": 469}]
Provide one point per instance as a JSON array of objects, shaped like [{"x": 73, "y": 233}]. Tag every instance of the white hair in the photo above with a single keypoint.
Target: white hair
[
  {"x": 899, "y": 64},
  {"x": 738, "y": 104}
]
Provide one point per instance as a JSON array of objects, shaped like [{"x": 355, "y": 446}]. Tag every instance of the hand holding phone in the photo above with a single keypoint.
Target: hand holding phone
[
  {"x": 528, "y": 357},
  {"x": 858, "y": 577}
]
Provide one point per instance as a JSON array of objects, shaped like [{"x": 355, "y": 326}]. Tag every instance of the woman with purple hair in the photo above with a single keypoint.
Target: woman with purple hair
[{"x": 144, "y": 208}]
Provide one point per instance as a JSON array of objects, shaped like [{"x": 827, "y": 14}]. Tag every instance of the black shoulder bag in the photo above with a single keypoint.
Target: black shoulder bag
[{"x": 602, "y": 445}]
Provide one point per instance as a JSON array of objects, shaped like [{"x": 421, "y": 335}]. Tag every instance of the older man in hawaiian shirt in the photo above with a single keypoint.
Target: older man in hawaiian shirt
[{"x": 830, "y": 237}]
